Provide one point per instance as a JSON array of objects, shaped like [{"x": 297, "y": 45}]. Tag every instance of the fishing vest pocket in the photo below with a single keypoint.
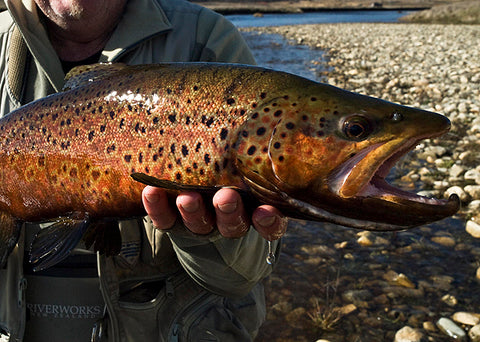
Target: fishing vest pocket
[
  {"x": 178, "y": 309},
  {"x": 62, "y": 309},
  {"x": 213, "y": 318}
]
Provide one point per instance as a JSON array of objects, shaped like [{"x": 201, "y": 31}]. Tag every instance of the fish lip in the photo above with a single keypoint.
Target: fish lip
[{"x": 376, "y": 186}]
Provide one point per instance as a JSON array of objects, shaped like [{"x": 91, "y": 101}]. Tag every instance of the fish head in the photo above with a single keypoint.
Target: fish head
[{"x": 328, "y": 152}]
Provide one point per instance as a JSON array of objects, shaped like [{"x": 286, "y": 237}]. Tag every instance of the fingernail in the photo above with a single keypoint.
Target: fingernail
[
  {"x": 228, "y": 207},
  {"x": 266, "y": 221},
  {"x": 151, "y": 198},
  {"x": 191, "y": 207}
]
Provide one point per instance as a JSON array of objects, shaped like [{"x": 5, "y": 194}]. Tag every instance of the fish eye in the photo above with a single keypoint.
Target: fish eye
[{"x": 357, "y": 127}]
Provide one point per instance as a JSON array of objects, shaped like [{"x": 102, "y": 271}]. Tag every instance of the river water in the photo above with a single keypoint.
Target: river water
[
  {"x": 320, "y": 17},
  {"x": 406, "y": 278}
]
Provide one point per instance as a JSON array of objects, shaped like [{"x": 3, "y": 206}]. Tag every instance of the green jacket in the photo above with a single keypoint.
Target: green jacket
[{"x": 149, "y": 32}]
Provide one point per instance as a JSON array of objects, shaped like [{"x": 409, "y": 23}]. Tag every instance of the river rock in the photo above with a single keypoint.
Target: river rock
[
  {"x": 473, "y": 228},
  {"x": 408, "y": 334},
  {"x": 466, "y": 318},
  {"x": 448, "y": 327},
  {"x": 472, "y": 174},
  {"x": 458, "y": 191},
  {"x": 474, "y": 333},
  {"x": 473, "y": 191}
]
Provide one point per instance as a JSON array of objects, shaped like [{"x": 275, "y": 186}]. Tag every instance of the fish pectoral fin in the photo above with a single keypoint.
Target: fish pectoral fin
[
  {"x": 170, "y": 185},
  {"x": 54, "y": 243},
  {"x": 9, "y": 234},
  {"x": 104, "y": 236}
]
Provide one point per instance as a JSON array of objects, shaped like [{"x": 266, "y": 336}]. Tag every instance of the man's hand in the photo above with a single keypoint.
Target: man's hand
[{"x": 229, "y": 216}]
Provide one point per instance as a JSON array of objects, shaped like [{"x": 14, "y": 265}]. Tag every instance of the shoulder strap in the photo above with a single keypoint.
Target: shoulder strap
[{"x": 17, "y": 62}]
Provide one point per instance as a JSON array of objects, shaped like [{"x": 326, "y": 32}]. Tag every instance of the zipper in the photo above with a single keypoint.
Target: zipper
[{"x": 22, "y": 286}]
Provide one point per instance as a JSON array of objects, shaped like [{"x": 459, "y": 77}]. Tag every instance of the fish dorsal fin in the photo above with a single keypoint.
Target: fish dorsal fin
[{"x": 85, "y": 74}]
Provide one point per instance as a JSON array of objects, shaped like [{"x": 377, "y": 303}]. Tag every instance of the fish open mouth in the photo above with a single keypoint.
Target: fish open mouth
[{"x": 364, "y": 174}]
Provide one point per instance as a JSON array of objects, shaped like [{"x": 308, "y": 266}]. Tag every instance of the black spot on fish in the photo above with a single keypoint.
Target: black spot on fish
[
  {"x": 251, "y": 150},
  {"x": 207, "y": 158},
  {"x": 257, "y": 160},
  {"x": 122, "y": 123},
  {"x": 150, "y": 145},
  {"x": 188, "y": 169},
  {"x": 255, "y": 115},
  {"x": 230, "y": 101},
  {"x": 266, "y": 109},
  {"x": 195, "y": 88},
  {"x": 169, "y": 91},
  {"x": 155, "y": 157},
  {"x": 147, "y": 170},
  {"x": 304, "y": 117},
  {"x": 217, "y": 167},
  {"x": 76, "y": 132},
  {"x": 100, "y": 109},
  {"x": 277, "y": 113},
  {"x": 69, "y": 121},
  {"x": 263, "y": 95},
  {"x": 77, "y": 111},
  {"x": 281, "y": 158},
  {"x": 202, "y": 172},
  {"x": 95, "y": 174},
  {"x": 127, "y": 157},
  {"x": 261, "y": 131},
  {"x": 265, "y": 149},
  {"x": 245, "y": 134},
  {"x": 178, "y": 176},
  {"x": 172, "y": 118},
  {"x": 44, "y": 130},
  {"x": 90, "y": 135},
  {"x": 277, "y": 145},
  {"x": 195, "y": 166},
  {"x": 102, "y": 128},
  {"x": 112, "y": 114},
  {"x": 184, "y": 150},
  {"x": 335, "y": 112},
  {"x": 130, "y": 107},
  {"x": 290, "y": 125},
  {"x": 172, "y": 148},
  {"x": 62, "y": 123},
  {"x": 204, "y": 118},
  {"x": 187, "y": 120},
  {"x": 111, "y": 148},
  {"x": 223, "y": 134},
  {"x": 313, "y": 99},
  {"x": 170, "y": 166},
  {"x": 137, "y": 127},
  {"x": 160, "y": 151},
  {"x": 254, "y": 105},
  {"x": 320, "y": 133},
  {"x": 209, "y": 122},
  {"x": 156, "y": 120}
]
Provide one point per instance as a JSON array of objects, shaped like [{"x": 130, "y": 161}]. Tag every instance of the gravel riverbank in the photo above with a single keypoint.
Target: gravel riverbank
[{"x": 371, "y": 286}]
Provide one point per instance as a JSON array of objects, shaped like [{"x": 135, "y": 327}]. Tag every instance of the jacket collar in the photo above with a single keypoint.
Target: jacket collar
[{"x": 142, "y": 19}]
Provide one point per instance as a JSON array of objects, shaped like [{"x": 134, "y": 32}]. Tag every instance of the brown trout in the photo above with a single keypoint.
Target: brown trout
[{"x": 314, "y": 151}]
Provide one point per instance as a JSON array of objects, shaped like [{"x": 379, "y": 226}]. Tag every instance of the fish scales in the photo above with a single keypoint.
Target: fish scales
[
  {"x": 68, "y": 149},
  {"x": 314, "y": 151}
]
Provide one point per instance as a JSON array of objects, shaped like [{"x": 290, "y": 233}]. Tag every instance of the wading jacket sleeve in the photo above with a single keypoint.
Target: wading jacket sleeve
[{"x": 149, "y": 32}]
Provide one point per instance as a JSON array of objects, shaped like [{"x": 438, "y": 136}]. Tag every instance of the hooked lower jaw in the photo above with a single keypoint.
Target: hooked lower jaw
[{"x": 376, "y": 186}]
